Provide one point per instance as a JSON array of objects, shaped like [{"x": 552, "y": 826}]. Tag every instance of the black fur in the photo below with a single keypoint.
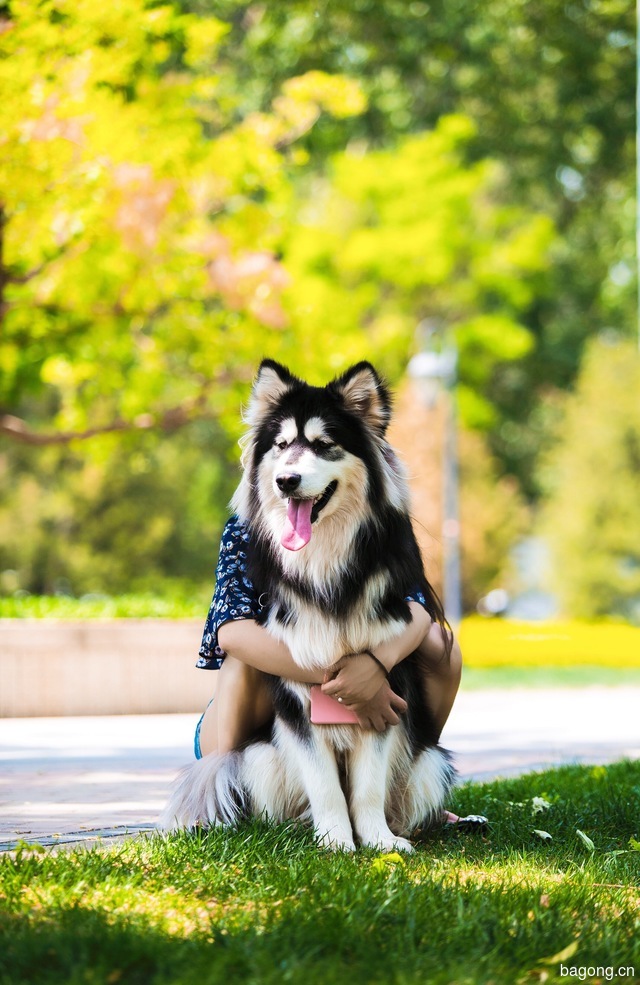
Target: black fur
[
  {"x": 406, "y": 680},
  {"x": 288, "y": 708}
]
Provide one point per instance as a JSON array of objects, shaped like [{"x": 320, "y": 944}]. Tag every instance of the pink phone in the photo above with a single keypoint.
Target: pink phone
[{"x": 326, "y": 710}]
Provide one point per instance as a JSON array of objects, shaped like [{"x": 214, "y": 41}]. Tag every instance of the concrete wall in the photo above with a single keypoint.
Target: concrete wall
[{"x": 110, "y": 667}]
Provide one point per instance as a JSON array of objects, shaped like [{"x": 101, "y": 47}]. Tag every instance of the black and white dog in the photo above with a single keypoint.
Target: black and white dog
[{"x": 331, "y": 547}]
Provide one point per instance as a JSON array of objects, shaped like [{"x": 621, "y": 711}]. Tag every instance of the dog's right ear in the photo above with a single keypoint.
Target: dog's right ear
[
  {"x": 365, "y": 395},
  {"x": 270, "y": 385}
]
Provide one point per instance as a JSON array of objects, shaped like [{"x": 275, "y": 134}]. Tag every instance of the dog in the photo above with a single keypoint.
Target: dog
[{"x": 333, "y": 555}]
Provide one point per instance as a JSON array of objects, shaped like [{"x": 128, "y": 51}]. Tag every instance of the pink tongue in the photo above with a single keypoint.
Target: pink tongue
[{"x": 297, "y": 526}]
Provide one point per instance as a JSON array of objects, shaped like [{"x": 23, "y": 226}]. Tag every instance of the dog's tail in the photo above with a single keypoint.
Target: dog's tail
[
  {"x": 222, "y": 790},
  {"x": 208, "y": 792}
]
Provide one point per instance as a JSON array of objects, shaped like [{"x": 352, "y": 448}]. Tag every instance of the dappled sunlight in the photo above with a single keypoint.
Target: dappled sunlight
[{"x": 225, "y": 902}]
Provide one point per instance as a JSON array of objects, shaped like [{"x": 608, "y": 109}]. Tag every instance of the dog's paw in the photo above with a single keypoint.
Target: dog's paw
[
  {"x": 343, "y": 846},
  {"x": 337, "y": 842},
  {"x": 388, "y": 844}
]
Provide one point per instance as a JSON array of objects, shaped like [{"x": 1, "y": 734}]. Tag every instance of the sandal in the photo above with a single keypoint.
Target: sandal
[{"x": 472, "y": 822}]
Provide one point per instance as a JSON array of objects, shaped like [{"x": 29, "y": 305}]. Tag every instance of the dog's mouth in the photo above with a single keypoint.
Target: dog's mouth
[{"x": 301, "y": 514}]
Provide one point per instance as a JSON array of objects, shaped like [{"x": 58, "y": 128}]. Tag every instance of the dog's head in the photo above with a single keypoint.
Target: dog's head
[{"x": 315, "y": 452}]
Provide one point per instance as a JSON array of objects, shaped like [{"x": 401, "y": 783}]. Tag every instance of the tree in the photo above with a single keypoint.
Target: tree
[
  {"x": 142, "y": 515},
  {"x": 139, "y": 224},
  {"x": 152, "y": 247},
  {"x": 161, "y": 231},
  {"x": 592, "y": 518}
]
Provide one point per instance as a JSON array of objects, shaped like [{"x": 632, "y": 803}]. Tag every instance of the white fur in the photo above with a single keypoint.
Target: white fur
[
  {"x": 288, "y": 431},
  {"x": 315, "y": 429},
  {"x": 268, "y": 389},
  {"x": 389, "y": 795},
  {"x": 362, "y": 396}
]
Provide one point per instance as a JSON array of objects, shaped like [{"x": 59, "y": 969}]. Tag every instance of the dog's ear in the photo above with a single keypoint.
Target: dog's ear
[
  {"x": 270, "y": 385},
  {"x": 365, "y": 395}
]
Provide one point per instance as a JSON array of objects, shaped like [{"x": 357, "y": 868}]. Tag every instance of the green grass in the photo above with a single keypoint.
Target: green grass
[
  {"x": 474, "y": 679},
  {"x": 264, "y": 905}
]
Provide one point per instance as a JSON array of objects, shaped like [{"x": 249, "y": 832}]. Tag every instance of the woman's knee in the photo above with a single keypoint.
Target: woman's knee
[
  {"x": 437, "y": 657},
  {"x": 237, "y": 674},
  {"x": 455, "y": 661},
  {"x": 244, "y": 690}
]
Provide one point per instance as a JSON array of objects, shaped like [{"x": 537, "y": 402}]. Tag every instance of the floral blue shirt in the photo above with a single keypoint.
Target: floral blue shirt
[{"x": 234, "y": 596}]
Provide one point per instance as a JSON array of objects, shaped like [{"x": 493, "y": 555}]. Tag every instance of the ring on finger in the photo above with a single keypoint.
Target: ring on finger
[{"x": 340, "y": 700}]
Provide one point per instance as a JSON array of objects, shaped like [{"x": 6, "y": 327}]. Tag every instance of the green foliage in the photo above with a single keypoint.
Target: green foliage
[
  {"x": 181, "y": 601},
  {"x": 137, "y": 518},
  {"x": 140, "y": 220},
  {"x": 592, "y": 518},
  {"x": 181, "y": 194},
  {"x": 142, "y": 223},
  {"x": 392, "y": 237},
  {"x": 266, "y": 905},
  {"x": 551, "y": 90},
  {"x": 161, "y": 231}
]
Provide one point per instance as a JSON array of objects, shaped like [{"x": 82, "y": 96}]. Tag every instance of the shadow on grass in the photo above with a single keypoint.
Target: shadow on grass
[
  {"x": 395, "y": 932},
  {"x": 264, "y": 905}
]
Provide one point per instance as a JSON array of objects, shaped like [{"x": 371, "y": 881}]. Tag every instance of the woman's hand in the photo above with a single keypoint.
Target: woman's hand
[
  {"x": 382, "y": 710},
  {"x": 355, "y": 679},
  {"x": 362, "y": 685}
]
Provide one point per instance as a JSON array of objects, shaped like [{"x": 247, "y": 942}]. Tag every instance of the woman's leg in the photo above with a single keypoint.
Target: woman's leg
[
  {"x": 441, "y": 673},
  {"x": 242, "y": 705}
]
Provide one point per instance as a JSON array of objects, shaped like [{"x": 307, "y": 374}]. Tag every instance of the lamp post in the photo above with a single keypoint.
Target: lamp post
[{"x": 434, "y": 370}]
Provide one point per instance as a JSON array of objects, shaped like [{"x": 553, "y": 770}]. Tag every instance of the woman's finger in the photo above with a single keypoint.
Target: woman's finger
[
  {"x": 391, "y": 717},
  {"x": 332, "y": 687},
  {"x": 398, "y": 703}
]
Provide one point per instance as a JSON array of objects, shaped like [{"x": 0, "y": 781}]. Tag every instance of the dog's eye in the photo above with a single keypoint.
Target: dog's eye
[
  {"x": 281, "y": 444},
  {"x": 323, "y": 445}
]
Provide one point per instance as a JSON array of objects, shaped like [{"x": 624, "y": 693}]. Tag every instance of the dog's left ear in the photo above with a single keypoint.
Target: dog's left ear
[{"x": 365, "y": 395}]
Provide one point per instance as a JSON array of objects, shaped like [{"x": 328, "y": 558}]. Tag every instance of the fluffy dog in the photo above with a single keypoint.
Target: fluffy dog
[{"x": 333, "y": 555}]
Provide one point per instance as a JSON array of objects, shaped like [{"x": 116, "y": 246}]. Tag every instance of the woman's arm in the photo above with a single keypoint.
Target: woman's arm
[
  {"x": 250, "y": 643},
  {"x": 356, "y": 678},
  {"x": 395, "y": 651}
]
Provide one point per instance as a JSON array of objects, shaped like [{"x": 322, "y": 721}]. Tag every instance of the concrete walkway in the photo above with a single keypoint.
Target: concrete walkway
[{"x": 69, "y": 780}]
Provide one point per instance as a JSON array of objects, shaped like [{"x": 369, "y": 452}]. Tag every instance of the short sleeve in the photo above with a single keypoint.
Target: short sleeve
[
  {"x": 417, "y": 596},
  {"x": 234, "y": 596}
]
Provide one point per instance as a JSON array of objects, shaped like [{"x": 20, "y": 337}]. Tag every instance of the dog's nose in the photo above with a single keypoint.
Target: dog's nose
[{"x": 288, "y": 481}]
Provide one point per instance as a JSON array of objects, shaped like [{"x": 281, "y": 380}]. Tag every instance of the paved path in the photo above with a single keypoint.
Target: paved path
[{"x": 76, "y": 779}]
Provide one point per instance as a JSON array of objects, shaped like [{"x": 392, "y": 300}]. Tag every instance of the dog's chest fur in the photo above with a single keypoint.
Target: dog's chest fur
[{"x": 322, "y": 618}]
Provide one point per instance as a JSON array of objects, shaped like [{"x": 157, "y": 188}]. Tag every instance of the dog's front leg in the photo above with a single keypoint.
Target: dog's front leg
[
  {"x": 368, "y": 780},
  {"x": 316, "y": 765}
]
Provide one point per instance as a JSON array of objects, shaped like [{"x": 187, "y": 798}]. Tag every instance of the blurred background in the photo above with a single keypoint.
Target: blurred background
[{"x": 445, "y": 189}]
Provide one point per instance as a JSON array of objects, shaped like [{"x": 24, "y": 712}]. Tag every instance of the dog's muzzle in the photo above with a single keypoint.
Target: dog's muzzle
[{"x": 301, "y": 513}]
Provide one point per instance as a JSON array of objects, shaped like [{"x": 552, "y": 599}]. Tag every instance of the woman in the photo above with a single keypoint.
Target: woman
[{"x": 241, "y": 650}]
